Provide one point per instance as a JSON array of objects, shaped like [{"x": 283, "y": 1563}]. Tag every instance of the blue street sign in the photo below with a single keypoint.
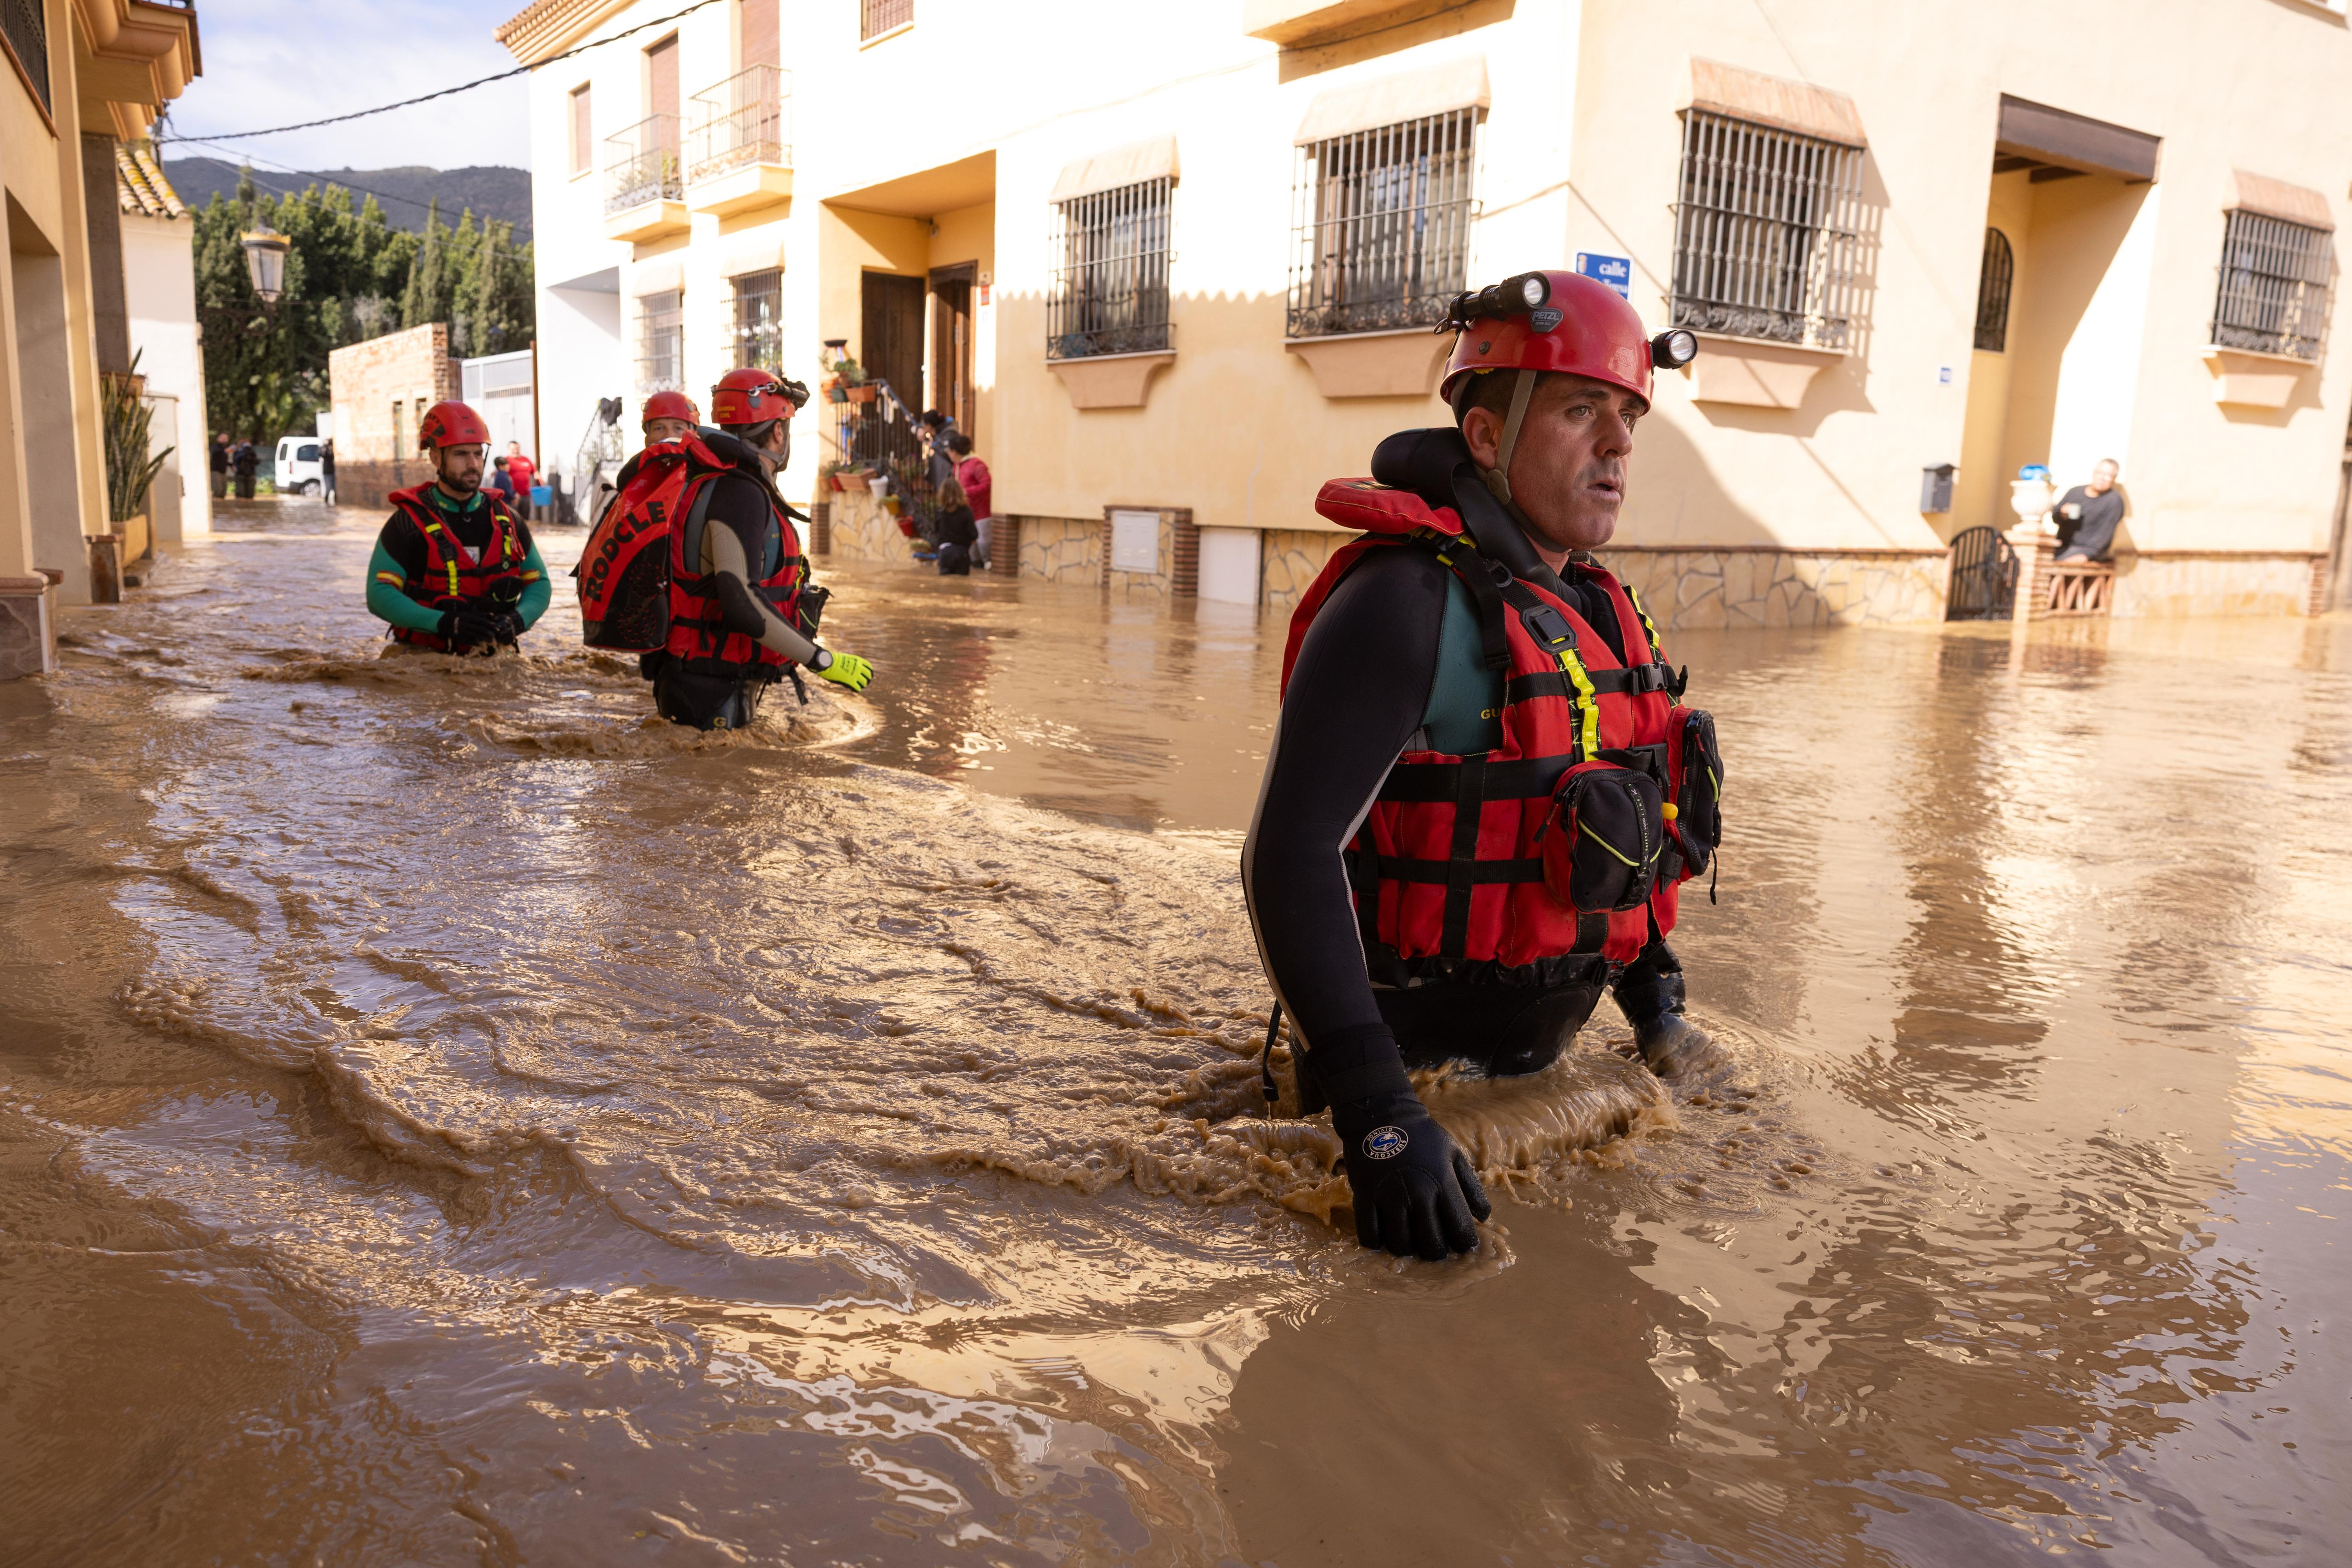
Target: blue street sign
[{"x": 1614, "y": 270}]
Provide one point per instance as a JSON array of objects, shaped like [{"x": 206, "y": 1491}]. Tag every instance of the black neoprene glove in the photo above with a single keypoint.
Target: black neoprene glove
[
  {"x": 1414, "y": 1191},
  {"x": 463, "y": 628}
]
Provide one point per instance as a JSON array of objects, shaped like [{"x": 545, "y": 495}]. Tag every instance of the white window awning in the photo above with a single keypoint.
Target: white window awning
[
  {"x": 1809, "y": 110},
  {"x": 1152, "y": 158},
  {"x": 2277, "y": 198},
  {"x": 665, "y": 275},
  {"x": 1396, "y": 100}
]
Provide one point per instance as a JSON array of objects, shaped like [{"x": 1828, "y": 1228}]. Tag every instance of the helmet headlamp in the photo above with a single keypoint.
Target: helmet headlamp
[{"x": 1674, "y": 348}]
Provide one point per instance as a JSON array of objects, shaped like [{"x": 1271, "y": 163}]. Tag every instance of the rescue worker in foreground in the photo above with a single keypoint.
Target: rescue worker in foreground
[
  {"x": 1481, "y": 790},
  {"x": 454, "y": 570},
  {"x": 743, "y": 611}
]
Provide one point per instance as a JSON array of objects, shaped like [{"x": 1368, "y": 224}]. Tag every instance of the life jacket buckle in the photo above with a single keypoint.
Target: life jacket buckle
[{"x": 1550, "y": 628}]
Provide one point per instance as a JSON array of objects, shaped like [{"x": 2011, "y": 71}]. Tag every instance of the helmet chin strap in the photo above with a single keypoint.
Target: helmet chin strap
[{"x": 1498, "y": 477}]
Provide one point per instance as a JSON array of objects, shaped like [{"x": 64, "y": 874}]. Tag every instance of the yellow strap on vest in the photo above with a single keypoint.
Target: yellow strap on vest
[
  {"x": 448, "y": 553},
  {"x": 1588, "y": 705},
  {"x": 1649, "y": 627}
]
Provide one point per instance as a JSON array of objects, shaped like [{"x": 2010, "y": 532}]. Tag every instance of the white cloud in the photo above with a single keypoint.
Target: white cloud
[{"x": 266, "y": 63}]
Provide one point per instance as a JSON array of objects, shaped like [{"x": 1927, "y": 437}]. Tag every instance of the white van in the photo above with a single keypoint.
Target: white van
[{"x": 297, "y": 466}]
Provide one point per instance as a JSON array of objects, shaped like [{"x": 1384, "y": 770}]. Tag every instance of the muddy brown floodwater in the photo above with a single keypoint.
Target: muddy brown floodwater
[{"x": 445, "y": 1118}]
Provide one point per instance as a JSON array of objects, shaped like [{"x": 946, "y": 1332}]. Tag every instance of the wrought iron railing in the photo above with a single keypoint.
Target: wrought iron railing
[
  {"x": 885, "y": 436},
  {"x": 1765, "y": 233},
  {"x": 1383, "y": 226},
  {"x": 2275, "y": 277},
  {"x": 27, "y": 32},
  {"x": 1110, "y": 295},
  {"x": 745, "y": 119},
  {"x": 878, "y": 16},
  {"x": 641, "y": 165}
]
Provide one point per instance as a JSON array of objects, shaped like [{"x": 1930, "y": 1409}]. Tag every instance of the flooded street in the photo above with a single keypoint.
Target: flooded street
[{"x": 448, "y": 1116}]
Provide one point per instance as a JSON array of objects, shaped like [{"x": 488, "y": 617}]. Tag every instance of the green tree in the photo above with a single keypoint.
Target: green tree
[{"x": 348, "y": 277}]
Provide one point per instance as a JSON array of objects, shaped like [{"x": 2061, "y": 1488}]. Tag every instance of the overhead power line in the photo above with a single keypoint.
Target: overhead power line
[{"x": 446, "y": 91}]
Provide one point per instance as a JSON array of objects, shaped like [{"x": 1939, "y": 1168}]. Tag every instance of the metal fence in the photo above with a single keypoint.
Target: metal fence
[
  {"x": 27, "y": 32},
  {"x": 661, "y": 341},
  {"x": 756, "y": 335},
  {"x": 878, "y": 16},
  {"x": 2275, "y": 277},
  {"x": 641, "y": 165},
  {"x": 1110, "y": 295},
  {"x": 1765, "y": 233},
  {"x": 1995, "y": 275},
  {"x": 1383, "y": 226},
  {"x": 745, "y": 119}
]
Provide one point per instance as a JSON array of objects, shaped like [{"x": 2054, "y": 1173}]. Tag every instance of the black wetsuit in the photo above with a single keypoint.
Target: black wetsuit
[{"x": 1394, "y": 652}]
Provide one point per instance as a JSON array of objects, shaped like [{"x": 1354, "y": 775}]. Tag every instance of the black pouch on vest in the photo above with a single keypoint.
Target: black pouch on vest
[
  {"x": 1601, "y": 843},
  {"x": 1695, "y": 774},
  {"x": 812, "y": 610}
]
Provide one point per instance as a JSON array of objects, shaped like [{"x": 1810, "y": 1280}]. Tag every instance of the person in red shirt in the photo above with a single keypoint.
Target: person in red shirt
[
  {"x": 524, "y": 473},
  {"x": 973, "y": 475}
]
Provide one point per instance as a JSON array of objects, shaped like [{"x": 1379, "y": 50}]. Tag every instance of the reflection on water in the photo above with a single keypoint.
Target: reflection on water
[{"x": 447, "y": 1116}]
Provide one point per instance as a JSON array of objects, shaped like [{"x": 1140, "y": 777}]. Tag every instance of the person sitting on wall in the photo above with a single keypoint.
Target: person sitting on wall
[
  {"x": 454, "y": 570},
  {"x": 2088, "y": 516}
]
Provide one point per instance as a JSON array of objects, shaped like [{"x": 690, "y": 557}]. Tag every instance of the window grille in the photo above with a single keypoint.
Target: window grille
[
  {"x": 878, "y": 16},
  {"x": 1383, "y": 226},
  {"x": 1995, "y": 276},
  {"x": 757, "y": 337},
  {"x": 2275, "y": 277},
  {"x": 661, "y": 341},
  {"x": 641, "y": 165},
  {"x": 22, "y": 23},
  {"x": 1110, "y": 296},
  {"x": 1765, "y": 233}
]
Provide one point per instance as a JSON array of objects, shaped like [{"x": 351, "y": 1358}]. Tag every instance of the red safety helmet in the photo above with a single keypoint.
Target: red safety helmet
[
  {"x": 1558, "y": 321},
  {"x": 750, "y": 396},
  {"x": 450, "y": 423},
  {"x": 669, "y": 405}
]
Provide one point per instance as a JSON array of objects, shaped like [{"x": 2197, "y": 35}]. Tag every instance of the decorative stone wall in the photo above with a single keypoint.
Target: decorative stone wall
[
  {"x": 2201, "y": 583},
  {"x": 29, "y": 637},
  {"x": 1705, "y": 590},
  {"x": 1292, "y": 558},
  {"x": 858, "y": 528},
  {"x": 1063, "y": 549}
]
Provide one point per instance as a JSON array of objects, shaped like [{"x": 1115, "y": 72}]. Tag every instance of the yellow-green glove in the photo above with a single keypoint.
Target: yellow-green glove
[{"x": 846, "y": 670}]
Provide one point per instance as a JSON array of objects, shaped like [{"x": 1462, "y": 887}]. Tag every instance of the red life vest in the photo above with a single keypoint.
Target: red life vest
[
  {"x": 623, "y": 571},
  {"x": 698, "y": 633},
  {"x": 450, "y": 582},
  {"x": 1448, "y": 867}
]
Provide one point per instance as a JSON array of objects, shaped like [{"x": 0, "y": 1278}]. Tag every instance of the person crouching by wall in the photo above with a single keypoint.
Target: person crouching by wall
[
  {"x": 958, "y": 532},
  {"x": 979, "y": 490}
]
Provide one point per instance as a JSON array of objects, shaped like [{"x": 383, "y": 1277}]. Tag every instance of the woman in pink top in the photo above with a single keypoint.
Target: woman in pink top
[{"x": 973, "y": 475}]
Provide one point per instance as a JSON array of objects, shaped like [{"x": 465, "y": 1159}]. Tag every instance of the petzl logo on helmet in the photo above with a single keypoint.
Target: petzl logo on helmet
[{"x": 1385, "y": 1142}]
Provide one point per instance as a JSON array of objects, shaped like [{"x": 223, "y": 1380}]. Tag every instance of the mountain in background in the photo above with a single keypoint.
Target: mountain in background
[{"x": 493, "y": 193}]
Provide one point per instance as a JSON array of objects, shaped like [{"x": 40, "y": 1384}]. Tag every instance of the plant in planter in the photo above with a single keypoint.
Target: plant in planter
[{"x": 130, "y": 465}]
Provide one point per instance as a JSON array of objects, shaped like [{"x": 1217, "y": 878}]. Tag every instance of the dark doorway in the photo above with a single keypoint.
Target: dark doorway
[
  {"x": 952, "y": 390},
  {"x": 890, "y": 341},
  {"x": 1984, "y": 577}
]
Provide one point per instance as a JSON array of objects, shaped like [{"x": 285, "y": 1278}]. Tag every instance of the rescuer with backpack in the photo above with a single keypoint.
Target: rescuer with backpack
[
  {"x": 1484, "y": 790},
  {"x": 454, "y": 570},
  {"x": 697, "y": 567}
]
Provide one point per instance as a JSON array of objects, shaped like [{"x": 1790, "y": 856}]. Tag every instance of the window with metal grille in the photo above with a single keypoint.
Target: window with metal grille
[
  {"x": 759, "y": 331},
  {"x": 1765, "y": 233},
  {"x": 661, "y": 341},
  {"x": 1110, "y": 296},
  {"x": 878, "y": 16},
  {"x": 2275, "y": 277},
  {"x": 1995, "y": 276},
  {"x": 1383, "y": 226},
  {"x": 27, "y": 35}
]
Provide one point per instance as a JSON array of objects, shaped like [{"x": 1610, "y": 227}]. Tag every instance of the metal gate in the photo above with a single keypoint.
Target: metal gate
[{"x": 1984, "y": 577}]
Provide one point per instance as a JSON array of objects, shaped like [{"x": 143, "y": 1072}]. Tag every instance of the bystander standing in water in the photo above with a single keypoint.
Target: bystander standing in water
[
  {"x": 327, "y": 471},
  {"x": 218, "y": 458},
  {"x": 247, "y": 464},
  {"x": 979, "y": 490}
]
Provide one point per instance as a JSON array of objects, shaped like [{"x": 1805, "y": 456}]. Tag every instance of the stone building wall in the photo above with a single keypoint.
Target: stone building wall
[
  {"x": 860, "y": 529},
  {"x": 2201, "y": 583},
  {"x": 1062, "y": 549},
  {"x": 380, "y": 389},
  {"x": 1290, "y": 562},
  {"x": 1718, "y": 589}
]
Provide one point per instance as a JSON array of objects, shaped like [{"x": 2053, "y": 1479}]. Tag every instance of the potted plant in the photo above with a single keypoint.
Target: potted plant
[
  {"x": 132, "y": 464},
  {"x": 855, "y": 387}
]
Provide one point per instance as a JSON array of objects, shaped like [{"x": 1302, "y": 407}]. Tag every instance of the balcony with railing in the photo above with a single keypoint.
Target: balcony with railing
[
  {"x": 644, "y": 188},
  {"x": 740, "y": 154}
]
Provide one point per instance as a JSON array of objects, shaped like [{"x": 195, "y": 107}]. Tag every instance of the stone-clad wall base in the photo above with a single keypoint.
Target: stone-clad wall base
[
  {"x": 1063, "y": 549},
  {"x": 1704, "y": 590},
  {"x": 858, "y": 529},
  {"x": 2149, "y": 586},
  {"x": 370, "y": 484},
  {"x": 28, "y": 643},
  {"x": 1292, "y": 558}
]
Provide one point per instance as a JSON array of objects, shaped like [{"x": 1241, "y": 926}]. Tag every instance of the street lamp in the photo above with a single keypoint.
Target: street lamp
[{"x": 265, "y": 261}]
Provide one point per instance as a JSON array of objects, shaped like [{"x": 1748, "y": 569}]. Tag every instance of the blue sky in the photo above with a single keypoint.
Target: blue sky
[{"x": 268, "y": 63}]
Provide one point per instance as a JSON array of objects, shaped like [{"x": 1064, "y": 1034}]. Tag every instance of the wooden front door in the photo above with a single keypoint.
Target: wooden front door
[
  {"x": 890, "y": 339},
  {"x": 953, "y": 390}
]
